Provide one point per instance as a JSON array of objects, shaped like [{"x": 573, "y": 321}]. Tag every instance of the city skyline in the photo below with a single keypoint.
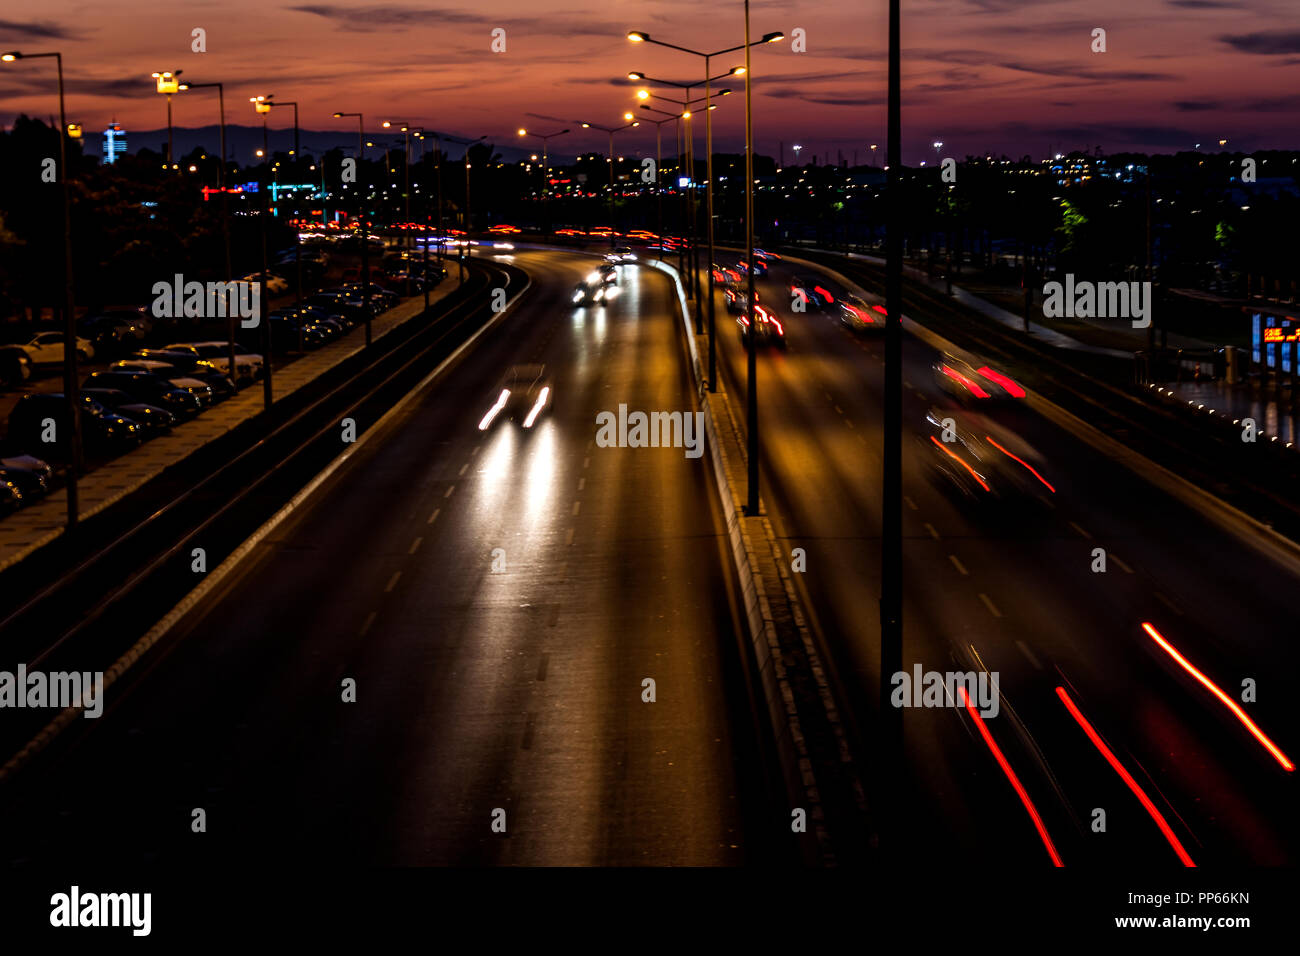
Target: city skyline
[{"x": 981, "y": 76}]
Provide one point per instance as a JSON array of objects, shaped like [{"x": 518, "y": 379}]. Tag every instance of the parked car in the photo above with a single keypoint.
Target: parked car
[
  {"x": 181, "y": 371},
  {"x": 155, "y": 420},
  {"x": 136, "y": 318},
  {"x": 248, "y": 365},
  {"x": 107, "y": 334},
  {"x": 29, "y": 473},
  {"x": 11, "y": 499},
  {"x": 103, "y": 431},
  {"x": 275, "y": 284},
  {"x": 182, "y": 400},
  {"x": 47, "y": 349}
]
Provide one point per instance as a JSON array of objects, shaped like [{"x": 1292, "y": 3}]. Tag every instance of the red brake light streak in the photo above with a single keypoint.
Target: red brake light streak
[
  {"x": 1011, "y": 776},
  {"x": 1227, "y": 701},
  {"x": 1127, "y": 777}
]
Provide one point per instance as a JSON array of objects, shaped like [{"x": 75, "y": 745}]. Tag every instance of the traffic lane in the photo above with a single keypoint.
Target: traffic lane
[
  {"x": 1081, "y": 624},
  {"x": 985, "y": 610},
  {"x": 820, "y": 483},
  {"x": 358, "y": 777}
]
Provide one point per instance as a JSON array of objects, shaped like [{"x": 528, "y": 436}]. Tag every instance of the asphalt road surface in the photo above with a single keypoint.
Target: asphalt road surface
[
  {"x": 1017, "y": 593},
  {"x": 517, "y": 689}
]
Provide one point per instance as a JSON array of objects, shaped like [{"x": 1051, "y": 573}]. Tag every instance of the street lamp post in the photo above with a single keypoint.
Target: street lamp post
[
  {"x": 659, "y": 161},
  {"x": 262, "y": 105},
  {"x": 891, "y": 506},
  {"x": 406, "y": 133},
  {"x": 168, "y": 83},
  {"x": 465, "y": 249},
  {"x": 361, "y": 208},
  {"x": 70, "y": 385},
  {"x": 640, "y": 37},
  {"x": 611, "y": 130},
  {"x": 545, "y": 138}
]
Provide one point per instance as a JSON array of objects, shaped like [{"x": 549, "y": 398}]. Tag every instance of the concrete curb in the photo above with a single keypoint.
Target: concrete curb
[{"x": 797, "y": 769}]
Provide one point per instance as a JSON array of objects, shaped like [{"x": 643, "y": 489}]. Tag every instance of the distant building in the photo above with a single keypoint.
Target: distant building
[{"x": 114, "y": 142}]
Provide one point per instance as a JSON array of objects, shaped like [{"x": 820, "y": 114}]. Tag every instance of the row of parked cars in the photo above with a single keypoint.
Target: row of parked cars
[{"x": 133, "y": 400}]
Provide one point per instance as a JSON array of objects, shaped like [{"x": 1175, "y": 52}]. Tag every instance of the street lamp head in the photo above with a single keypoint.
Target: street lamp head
[
  {"x": 12, "y": 55},
  {"x": 736, "y": 71},
  {"x": 636, "y": 75},
  {"x": 522, "y": 131},
  {"x": 724, "y": 92},
  {"x": 643, "y": 94},
  {"x": 627, "y": 117},
  {"x": 773, "y": 37},
  {"x": 686, "y": 114},
  {"x": 74, "y": 130},
  {"x": 386, "y": 124},
  {"x": 338, "y": 115},
  {"x": 636, "y": 36},
  {"x": 586, "y": 126}
]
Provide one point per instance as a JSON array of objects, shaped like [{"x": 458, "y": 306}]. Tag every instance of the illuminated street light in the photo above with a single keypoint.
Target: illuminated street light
[
  {"x": 168, "y": 83},
  {"x": 546, "y": 170}
]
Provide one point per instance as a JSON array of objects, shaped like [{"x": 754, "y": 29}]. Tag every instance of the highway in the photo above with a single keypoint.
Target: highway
[
  {"x": 1019, "y": 597},
  {"x": 498, "y": 597}
]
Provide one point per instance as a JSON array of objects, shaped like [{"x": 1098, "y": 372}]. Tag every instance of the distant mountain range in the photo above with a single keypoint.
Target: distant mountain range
[{"x": 242, "y": 142}]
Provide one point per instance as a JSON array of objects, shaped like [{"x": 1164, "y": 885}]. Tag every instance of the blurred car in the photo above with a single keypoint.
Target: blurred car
[
  {"x": 723, "y": 275},
  {"x": 736, "y": 295},
  {"x": 765, "y": 255},
  {"x": 606, "y": 273},
  {"x": 811, "y": 292},
  {"x": 31, "y": 475},
  {"x": 767, "y": 330},
  {"x": 182, "y": 400},
  {"x": 15, "y": 365},
  {"x": 103, "y": 431},
  {"x": 590, "y": 293},
  {"x": 760, "y": 266},
  {"x": 47, "y": 349},
  {"x": 969, "y": 384},
  {"x": 524, "y": 393},
  {"x": 248, "y": 365},
  {"x": 860, "y": 315},
  {"x": 624, "y": 254},
  {"x": 987, "y": 470},
  {"x": 154, "y": 420}
]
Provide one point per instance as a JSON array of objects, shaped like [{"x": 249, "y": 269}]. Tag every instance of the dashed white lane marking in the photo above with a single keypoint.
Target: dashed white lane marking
[
  {"x": 464, "y": 468},
  {"x": 473, "y": 451},
  {"x": 582, "y": 483},
  {"x": 958, "y": 565},
  {"x": 847, "y": 422},
  {"x": 365, "y": 625},
  {"x": 930, "y": 528},
  {"x": 1024, "y": 649},
  {"x": 1168, "y": 603},
  {"x": 392, "y": 582},
  {"x": 990, "y": 605},
  {"x": 434, "y": 517},
  {"x": 1080, "y": 530},
  {"x": 910, "y": 503},
  {"x": 838, "y": 410},
  {"x": 568, "y": 536},
  {"x": 415, "y": 545},
  {"x": 1116, "y": 558},
  {"x": 449, "y": 491},
  {"x": 576, "y": 506},
  {"x": 586, "y": 462}
]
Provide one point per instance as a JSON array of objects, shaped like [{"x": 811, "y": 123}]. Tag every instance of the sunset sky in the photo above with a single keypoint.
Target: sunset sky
[{"x": 1013, "y": 76}]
